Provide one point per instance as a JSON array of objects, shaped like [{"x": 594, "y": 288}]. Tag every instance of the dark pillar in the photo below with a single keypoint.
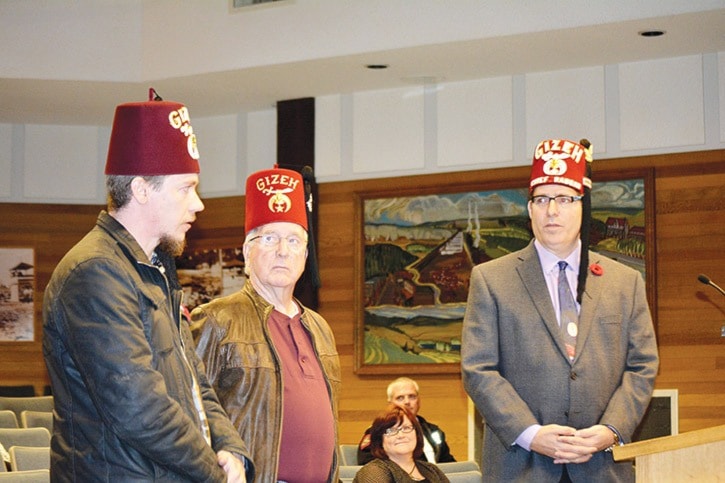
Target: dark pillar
[{"x": 296, "y": 150}]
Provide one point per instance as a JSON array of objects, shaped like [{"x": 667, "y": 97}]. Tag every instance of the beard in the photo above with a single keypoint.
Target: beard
[{"x": 170, "y": 246}]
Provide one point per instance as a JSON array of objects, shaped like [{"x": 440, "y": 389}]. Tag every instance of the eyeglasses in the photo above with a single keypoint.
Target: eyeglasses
[
  {"x": 271, "y": 240},
  {"x": 561, "y": 200},
  {"x": 392, "y": 431}
]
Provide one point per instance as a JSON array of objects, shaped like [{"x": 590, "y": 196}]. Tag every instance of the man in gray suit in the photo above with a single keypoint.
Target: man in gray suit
[{"x": 558, "y": 381}]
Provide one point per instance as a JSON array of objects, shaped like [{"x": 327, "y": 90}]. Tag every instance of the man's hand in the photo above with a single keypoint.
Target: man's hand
[
  {"x": 233, "y": 467},
  {"x": 562, "y": 444},
  {"x": 597, "y": 436}
]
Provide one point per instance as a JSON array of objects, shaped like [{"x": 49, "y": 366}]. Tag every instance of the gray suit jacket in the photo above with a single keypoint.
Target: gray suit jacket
[{"x": 516, "y": 371}]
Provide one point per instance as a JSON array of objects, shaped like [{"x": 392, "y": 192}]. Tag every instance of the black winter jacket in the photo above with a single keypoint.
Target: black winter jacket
[{"x": 120, "y": 360}]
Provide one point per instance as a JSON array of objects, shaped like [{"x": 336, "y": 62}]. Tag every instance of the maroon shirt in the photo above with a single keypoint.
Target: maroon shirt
[{"x": 308, "y": 427}]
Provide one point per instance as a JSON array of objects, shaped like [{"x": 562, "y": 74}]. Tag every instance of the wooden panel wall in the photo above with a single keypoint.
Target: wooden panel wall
[
  {"x": 690, "y": 229},
  {"x": 51, "y": 230}
]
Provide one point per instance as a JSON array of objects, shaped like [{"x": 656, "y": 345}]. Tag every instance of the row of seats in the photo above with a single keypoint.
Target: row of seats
[
  {"x": 28, "y": 419},
  {"x": 25, "y": 427},
  {"x": 29, "y": 451},
  {"x": 10, "y": 437},
  {"x": 457, "y": 472},
  {"x": 26, "y": 413},
  {"x": 29, "y": 443},
  {"x": 20, "y": 404}
]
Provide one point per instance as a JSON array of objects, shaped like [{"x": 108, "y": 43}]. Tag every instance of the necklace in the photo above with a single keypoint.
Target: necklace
[{"x": 412, "y": 470}]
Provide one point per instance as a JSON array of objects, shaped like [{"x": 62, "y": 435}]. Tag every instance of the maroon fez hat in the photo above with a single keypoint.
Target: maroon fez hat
[
  {"x": 153, "y": 138},
  {"x": 559, "y": 161},
  {"x": 274, "y": 195}
]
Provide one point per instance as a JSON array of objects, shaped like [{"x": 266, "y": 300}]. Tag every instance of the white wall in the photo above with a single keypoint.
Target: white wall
[{"x": 657, "y": 106}]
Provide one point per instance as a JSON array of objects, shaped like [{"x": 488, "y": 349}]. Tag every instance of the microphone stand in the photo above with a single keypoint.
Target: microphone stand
[{"x": 706, "y": 280}]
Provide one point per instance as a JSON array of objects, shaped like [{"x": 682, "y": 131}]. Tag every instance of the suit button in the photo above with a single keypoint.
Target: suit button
[
  {"x": 566, "y": 413},
  {"x": 572, "y": 376}
]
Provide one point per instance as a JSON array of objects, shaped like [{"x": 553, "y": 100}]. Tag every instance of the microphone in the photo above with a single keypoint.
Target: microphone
[{"x": 706, "y": 280}]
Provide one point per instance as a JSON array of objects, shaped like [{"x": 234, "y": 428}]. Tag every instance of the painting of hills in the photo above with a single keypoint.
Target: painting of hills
[{"x": 419, "y": 252}]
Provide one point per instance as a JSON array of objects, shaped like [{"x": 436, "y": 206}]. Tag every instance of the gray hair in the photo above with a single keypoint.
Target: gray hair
[{"x": 401, "y": 381}]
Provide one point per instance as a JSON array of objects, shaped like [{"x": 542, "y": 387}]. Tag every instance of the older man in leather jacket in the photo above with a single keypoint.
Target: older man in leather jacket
[{"x": 273, "y": 361}]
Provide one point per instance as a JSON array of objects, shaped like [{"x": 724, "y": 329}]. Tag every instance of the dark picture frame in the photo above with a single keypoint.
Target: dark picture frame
[{"x": 417, "y": 247}]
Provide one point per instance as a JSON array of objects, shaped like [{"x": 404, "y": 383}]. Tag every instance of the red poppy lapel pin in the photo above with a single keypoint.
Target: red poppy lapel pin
[{"x": 596, "y": 269}]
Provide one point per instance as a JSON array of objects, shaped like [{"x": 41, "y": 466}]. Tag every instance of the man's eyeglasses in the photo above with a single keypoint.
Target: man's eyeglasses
[
  {"x": 392, "y": 431},
  {"x": 270, "y": 240},
  {"x": 560, "y": 200}
]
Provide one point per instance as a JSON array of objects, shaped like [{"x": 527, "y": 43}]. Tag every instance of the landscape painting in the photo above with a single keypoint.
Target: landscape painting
[{"x": 419, "y": 251}]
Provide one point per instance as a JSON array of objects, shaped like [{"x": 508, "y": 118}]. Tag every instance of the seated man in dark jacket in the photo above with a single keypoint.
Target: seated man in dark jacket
[{"x": 404, "y": 392}]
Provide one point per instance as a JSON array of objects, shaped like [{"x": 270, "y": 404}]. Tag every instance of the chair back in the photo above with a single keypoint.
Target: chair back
[
  {"x": 473, "y": 476},
  {"x": 347, "y": 473},
  {"x": 348, "y": 454},
  {"x": 26, "y": 458},
  {"x": 458, "y": 466},
  {"x": 32, "y": 476},
  {"x": 37, "y": 419},
  {"x": 20, "y": 404},
  {"x": 8, "y": 419},
  {"x": 10, "y": 437}
]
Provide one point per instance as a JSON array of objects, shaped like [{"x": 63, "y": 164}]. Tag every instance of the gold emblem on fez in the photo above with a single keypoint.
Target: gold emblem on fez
[
  {"x": 192, "y": 147},
  {"x": 554, "y": 167},
  {"x": 279, "y": 202}
]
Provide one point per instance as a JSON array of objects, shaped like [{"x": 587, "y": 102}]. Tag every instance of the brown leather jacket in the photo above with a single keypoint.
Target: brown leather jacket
[{"x": 243, "y": 368}]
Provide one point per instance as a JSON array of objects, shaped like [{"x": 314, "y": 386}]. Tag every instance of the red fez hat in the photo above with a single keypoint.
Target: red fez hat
[
  {"x": 152, "y": 138},
  {"x": 275, "y": 195},
  {"x": 559, "y": 161}
]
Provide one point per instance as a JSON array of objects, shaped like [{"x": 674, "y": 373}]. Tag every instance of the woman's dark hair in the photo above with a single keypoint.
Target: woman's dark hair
[{"x": 393, "y": 416}]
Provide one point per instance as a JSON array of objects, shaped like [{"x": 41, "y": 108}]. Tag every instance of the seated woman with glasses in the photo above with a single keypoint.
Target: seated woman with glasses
[{"x": 396, "y": 442}]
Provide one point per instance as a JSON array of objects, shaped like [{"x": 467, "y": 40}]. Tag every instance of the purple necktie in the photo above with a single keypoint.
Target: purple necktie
[{"x": 567, "y": 311}]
